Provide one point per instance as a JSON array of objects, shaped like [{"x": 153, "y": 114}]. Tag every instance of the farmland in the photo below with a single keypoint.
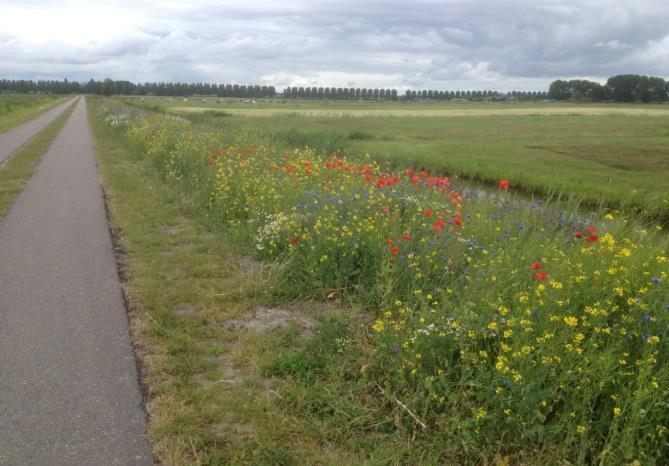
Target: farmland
[
  {"x": 17, "y": 109},
  {"x": 606, "y": 155},
  {"x": 418, "y": 322}
]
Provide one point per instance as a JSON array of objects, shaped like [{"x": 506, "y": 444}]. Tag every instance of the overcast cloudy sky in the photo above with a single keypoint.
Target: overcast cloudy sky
[{"x": 476, "y": 44}]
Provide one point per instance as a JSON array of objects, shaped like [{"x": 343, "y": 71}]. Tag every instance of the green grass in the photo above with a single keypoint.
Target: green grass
[
  {"x": 211, "y": 397},
  {"x": 17, "y": 170},
  {"x": 225, "y": 103},
  {"x": 20, "y": 108},
  {"x": 358, "y": 385},
  {"x": 619, "y": 161}
]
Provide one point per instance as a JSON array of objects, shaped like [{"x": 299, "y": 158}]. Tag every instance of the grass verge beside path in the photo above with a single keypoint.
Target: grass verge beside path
[
  {"x": 18, "y": 109},
  {"x": 490, "y": 335},
  {"x": 204, "y": 323},
  {"x": 18, "y": 169}
]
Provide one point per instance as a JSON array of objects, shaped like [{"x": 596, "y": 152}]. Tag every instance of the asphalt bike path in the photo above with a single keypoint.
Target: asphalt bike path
[
  {"x": 16, "y": 137},
  {"x": 69, "y": 393}
]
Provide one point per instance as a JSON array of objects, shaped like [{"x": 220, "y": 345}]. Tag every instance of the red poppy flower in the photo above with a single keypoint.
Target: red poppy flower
[
  {"x": 457, "y": 222},
  {"x": 394, "y": 250},
  {"x": 592, "y": 239},
  {"x": 592, "y": 230},
  {"x": 410, "y": 172},
  {"x": 427, "y": 213},
  {"x": 294, "y": 241},
  {"x": 536, "y": 265},
  {"x": 389, "y": 241},
  {"x": 540, "y": 276},
  {"x": 406, "y": 236},
  {"x": 503, "y": 184},
  {"x": 578, "y": 234},
  {"x": 438, "y": 226}
]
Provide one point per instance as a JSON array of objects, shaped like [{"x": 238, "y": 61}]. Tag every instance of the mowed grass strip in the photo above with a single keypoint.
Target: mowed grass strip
[
  {"x": 18, "y": 109},
  {"x": 18, "y": 169},
  {"x": 195, "y": 305}
]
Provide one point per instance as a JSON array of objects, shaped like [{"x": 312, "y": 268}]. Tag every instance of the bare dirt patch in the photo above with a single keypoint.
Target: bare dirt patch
[
  {"x": 184, "y": 309},
  {"x": 267, "y": 319},
  {"x": 236, "y": 429}
]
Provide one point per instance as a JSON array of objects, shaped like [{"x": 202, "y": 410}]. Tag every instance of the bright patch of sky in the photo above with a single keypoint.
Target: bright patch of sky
[{"x": 424, "y": 44}]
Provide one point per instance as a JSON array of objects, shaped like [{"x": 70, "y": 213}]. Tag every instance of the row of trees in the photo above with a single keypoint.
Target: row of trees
[
  {"x": 110, "y": 87},
  {"x": 475, "y": 95},
  {"x": 620, "y": 88},
  {"x": 339, "y": 93}
]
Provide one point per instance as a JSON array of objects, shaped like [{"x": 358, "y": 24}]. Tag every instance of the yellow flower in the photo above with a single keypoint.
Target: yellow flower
[
  {"x": 556, "y": 285},
  {"x": 571, "y": 321},
  {"x": 617, "y": 411},
  {"x": 378, "y": 326},
  {"x": 580, "y": 429},
  {"x": 608, "y": 217}
]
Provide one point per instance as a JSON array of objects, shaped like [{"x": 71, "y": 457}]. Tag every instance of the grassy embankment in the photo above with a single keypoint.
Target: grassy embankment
[
  {"x": 16, "y": 109},
  {"x": 613, "y": 160},
  {"x": 525, "y": 335},
  {"x": 17, "y": 170},
  {"x": 191, "y": 293}
]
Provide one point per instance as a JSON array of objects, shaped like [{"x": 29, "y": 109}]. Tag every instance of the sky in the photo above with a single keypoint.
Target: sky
[{"x": 422, "y": 44}]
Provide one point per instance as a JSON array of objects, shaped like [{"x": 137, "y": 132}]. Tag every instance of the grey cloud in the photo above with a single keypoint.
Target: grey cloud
[{"x": 439, "y": 44}]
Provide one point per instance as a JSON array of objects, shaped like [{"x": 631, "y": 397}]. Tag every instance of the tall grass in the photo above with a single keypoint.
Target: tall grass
[{"x": 501, "y": 326}]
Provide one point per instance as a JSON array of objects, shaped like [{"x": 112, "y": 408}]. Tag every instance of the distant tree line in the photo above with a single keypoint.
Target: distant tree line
[
  {"x": 620, "y": 88},
  {"x": 110, "y": 87},
  {"x": 339, "y": 93},
  {"x": 475, "y": 95}
]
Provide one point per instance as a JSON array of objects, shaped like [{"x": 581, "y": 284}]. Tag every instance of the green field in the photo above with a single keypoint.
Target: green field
[
  {"x": 16, "y": 109},
  {"x": 614, "y": 155},
  {"x": 297, "y": 307},
  {"x": 268, "y": 106},
  {"x": 17, "y": 170}
]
